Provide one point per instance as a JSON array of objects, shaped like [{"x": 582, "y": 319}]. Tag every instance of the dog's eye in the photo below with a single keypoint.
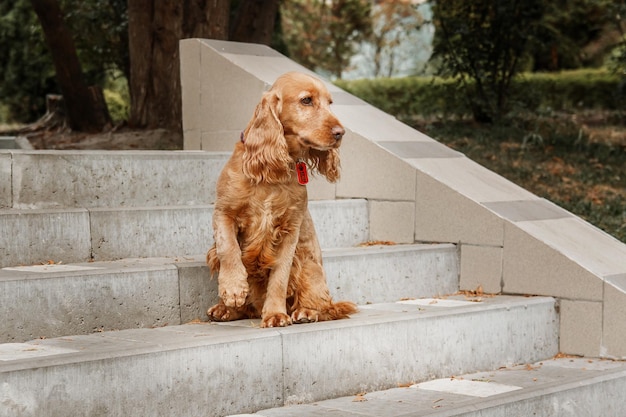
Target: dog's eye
[{"x": 307, "y": 101}]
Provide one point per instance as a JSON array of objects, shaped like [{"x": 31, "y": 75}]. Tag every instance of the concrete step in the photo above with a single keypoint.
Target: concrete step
[
  {"x": 80, "y": 235},
  {"x": 89, "y": 179},
  {"x": 221, "y": 369},
  {"x": 65, "y": 299},
  {"x": 560, "y": 386},
  {"x": 14, "y": 142}
]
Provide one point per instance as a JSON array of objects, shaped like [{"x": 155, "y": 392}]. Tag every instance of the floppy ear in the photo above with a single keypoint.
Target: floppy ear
[
  {"x": 326, "y": 163},
  {"x": 266, "y": 156}
]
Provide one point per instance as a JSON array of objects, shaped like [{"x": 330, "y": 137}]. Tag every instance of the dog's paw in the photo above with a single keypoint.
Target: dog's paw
[
  {"x": 234, "y": 294},
  {"x": 219, "y": 312},
  {"x": 305, "y": 315},
  {"x": 275, "y": 320}
]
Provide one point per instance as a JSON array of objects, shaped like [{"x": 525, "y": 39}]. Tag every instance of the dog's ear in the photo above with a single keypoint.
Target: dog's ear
[
  {"x": 266, "y": 156},
  {"x": 326, "y": 163}
]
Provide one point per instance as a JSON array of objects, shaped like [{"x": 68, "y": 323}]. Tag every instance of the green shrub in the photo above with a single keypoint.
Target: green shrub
[
  {"x": 572, "y": 90},
  {"x": 432, "y": 96},
  {"x": 405, "y": 97},
  {"x": 117, "y": 96},
  {"x": 118, "y": 107}
]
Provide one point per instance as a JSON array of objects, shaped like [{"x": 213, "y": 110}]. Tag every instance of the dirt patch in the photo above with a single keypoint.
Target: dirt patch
[{"x": 122, "y": 139}]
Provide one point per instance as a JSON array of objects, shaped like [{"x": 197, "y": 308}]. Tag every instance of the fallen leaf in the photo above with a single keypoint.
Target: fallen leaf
[
  {"x": 377, "y": 242},
  {"x": 562, "y": 355},
  {"x": 359, "y": 398}
]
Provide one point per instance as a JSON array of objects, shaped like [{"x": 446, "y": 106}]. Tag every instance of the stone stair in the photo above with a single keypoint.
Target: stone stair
[
  {"x": 220, "y": 369},
  {"x": 103, "y": 287},
  {"x": 562, "y": 386},
  {"x": 103, "y": 291}
]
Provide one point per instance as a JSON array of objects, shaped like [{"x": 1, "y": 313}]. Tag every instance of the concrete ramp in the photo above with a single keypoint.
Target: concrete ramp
[{"x": 510, "y": 240}]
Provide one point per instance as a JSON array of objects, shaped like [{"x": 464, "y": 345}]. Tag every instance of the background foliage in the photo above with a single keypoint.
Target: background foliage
[
  {"x": 410, "y": 97},
  {"x": 322, "y": 35},
  {"x": 25, "y": 62},
  {"x": 480, "y": 45}
]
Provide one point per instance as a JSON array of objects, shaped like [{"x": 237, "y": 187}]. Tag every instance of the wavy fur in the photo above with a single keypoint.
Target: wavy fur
[{"x": 266, "y": 253}]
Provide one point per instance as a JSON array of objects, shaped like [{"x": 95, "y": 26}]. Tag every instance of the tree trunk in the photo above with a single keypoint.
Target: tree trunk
[
  {"x": 86, "y": 111},
  {"x": 254, "y": 21},
  {"x": 154, "y": 29}
]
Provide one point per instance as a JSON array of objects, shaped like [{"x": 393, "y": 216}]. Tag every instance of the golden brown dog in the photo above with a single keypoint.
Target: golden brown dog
[{"x": 266, "y": 251}]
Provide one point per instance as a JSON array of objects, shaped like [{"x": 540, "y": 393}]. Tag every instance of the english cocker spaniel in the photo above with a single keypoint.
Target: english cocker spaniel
[{"x": 266, "y": 252}]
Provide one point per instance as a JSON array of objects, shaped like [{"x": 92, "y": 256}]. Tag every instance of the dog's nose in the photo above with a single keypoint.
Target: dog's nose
[{"x": 338, "y": 132}]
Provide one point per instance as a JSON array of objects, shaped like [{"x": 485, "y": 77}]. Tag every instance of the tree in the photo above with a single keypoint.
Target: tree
[
  {"x": 26, "y": 70},
  {"x": 573, "y": 34},
  {"x": 322, "y": 35},
  {"x": 392, "y": 20},
  {"x": 155, "y": 28},
  {"x": 85, "y": 107},
  {"x": 618, "y": 14},
  {"x": 103, "y": 42},
  {"x": 255, "y": 21},
  {"x": 480, "y": 43}
]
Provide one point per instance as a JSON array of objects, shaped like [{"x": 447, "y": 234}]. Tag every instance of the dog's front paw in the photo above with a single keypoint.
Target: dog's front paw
[
  {"x": 275, "y": 320},
  {"x": 235, "y": 296},
  {"x": 233, "y": 289}
]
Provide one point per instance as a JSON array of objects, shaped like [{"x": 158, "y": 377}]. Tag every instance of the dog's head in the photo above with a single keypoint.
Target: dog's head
[{"x": 292, "y": 121}]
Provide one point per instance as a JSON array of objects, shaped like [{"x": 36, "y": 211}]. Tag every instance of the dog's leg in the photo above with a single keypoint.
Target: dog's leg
[
  {"x": 274, "y": 312},
  {"x": 312, "y": 300},
  {"x": 233, "y": 278}
]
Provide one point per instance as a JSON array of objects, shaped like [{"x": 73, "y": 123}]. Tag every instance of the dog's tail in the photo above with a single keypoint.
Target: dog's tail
[{"x": 337, "y": 310}]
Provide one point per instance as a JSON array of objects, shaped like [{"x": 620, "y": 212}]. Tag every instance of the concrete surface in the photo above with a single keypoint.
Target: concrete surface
[
  {"x": 86, "y": 179},
  {"x": 221, "y": 369},
  {"x": 39, "y": 236},
  {"x": 71, "y": 299},
  {"x": 5, "y": 180},
  {"x": 481, "y": 266},
  {"x": 455, "y": 199},
  {"x": 568, "y": 387},
  {"x": 77, "y": 235},
  {"x": 387, "y": 273},
  {"x": 14, "y": 142}
]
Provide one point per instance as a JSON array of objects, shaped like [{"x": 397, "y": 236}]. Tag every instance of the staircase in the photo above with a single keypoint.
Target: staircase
[
  {"x": 103, "y": 286},
  {"x": 103, "y": 291}
]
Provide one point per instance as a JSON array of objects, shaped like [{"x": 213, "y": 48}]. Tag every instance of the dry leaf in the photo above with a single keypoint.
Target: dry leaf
[
  {"x": 377, "y": 242},
  {"x": 359, "y": 398}
]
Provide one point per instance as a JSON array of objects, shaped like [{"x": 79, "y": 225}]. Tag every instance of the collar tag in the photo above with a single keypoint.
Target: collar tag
[{"x": 301, "y": 170}]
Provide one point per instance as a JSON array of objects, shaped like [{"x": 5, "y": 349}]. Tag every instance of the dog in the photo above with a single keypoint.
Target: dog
[{"x": 266, "y": 252}]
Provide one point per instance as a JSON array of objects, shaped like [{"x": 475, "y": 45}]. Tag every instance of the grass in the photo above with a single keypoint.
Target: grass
[{"x": 578, "y": 161}]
